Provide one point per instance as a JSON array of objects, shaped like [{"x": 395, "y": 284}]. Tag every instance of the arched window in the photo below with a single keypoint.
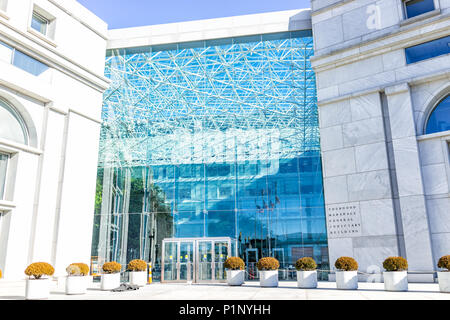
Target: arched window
[
  {"x": 12, "y": 127},
  {"x": 439, "y": 119}
]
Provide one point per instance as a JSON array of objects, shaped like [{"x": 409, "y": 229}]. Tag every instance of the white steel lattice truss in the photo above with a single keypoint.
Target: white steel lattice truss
[{"x": 209, "y": 102}]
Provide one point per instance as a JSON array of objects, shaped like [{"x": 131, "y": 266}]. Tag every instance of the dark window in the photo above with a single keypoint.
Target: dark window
[
  {"x": 440, "y": 117},
  {"x": 428, "y": 50},
  {"x": 417, "y": 7}
]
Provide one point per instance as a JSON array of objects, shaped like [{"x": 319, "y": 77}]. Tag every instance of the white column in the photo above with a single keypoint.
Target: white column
[{"x": 410, "y": 183}]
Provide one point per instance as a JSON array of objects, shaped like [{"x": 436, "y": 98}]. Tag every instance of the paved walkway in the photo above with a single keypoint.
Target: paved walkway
[{"x": 249, "y": 291}]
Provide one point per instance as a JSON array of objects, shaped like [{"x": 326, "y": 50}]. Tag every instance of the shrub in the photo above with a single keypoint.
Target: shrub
[
  {"x": 111, "y": 267},
  {"x": 305, "y": 264},
  {"x": 137, "y": 265},
  {"x": 444, "y": 263},
  {"x": 346, "y": 264},
  {"x": 39, "y": 269},
  {"x": 267, "y": 264},
  {"x": 234, "y": 263},
  {"x": 395, "y": 264},
  {"x": 77, "y": 269}
]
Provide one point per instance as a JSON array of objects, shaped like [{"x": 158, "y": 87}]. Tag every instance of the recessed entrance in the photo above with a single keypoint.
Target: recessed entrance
[{"x": 196, "y": 259}]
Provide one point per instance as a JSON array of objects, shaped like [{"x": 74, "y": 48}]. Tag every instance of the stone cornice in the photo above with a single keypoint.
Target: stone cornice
[
  {"x": 50, "y": 56},
  {"x": 392, "y": 40}
]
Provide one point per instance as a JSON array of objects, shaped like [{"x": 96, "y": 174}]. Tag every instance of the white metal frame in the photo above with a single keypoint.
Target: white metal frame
[
  {"x": 195, "y": 258},
  {"x": 3, "y": 192}
]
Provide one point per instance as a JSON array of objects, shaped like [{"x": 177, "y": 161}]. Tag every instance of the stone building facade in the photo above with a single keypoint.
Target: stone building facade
[
  {"x": 386, "y": 179},
  {"x": 52, "y": 58}
]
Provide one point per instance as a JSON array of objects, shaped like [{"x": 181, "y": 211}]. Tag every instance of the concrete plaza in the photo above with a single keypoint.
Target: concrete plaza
[{"x": 249, "y": 291}]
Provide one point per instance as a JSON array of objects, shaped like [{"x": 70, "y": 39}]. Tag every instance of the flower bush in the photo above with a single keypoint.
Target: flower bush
[
  {"x": 77, "y": 269},
  {"x": 444, "y": 263},
  {"x": 137, "y": 265},
  {"x": 395, "y": 264},
  {"x": 267, "y": 264},
  {"x": 111, "y": 267},
  {"x": 39, "y": 269},
  {"x": 305, "y": 264},
  {"x": 346, "y": 264},
  {"x": 234, "y": 263}
]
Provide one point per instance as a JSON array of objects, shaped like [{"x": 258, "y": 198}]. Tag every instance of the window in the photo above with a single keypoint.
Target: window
[
  {"x": 439, "y": 119},
  {"x": 29, "y": 64},
  {"x": 39, "y": 23},
  {"x": 3, "y": 168},
  {"x": 428, "y": 50},
  {"x": 415, "y": 8},
  {"x": 12, "y": 126},
  {"x": 21, "y": 60},
  {"x": 43, "y": 22}
]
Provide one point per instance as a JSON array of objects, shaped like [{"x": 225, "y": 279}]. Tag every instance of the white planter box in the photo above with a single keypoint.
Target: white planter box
[
  {"x": 110, "y": 281},
  {"x": 235, "y": 277},
  {"x": 76, "y": 285},
  {"x": 268, "y": 278},
  {"x": 37, "y": 289},
  {"x": 138, "y": 278},
  {"x": 396, "y": 281},
  {"x": 347, "y": 280},
  {"x": 307, "y": 279},
  {"x": 444, "y": 281}
]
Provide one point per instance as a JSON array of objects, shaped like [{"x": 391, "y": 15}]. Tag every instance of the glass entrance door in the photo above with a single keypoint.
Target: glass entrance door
[
  {"x": 186, "y": 261},
  {"x": 212, "y": 254},
  {"x": 221, "y": 253},
  {"x": 170, "y": 261},
  {"x": 196, "y": 260},
  {"x": 205, "y": 261},
  {"x": 178, "y": 261}
]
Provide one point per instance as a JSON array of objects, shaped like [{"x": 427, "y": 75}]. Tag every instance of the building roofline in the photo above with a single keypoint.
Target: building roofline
[
  {"x": 83, "y": 15},
  {"x": 207, "y": 29}
]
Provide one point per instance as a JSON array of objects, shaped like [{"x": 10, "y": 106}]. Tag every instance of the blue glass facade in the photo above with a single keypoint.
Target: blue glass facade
[{"x": 216, "y": 138}]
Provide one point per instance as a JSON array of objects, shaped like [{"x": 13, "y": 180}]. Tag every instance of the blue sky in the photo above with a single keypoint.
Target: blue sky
[{"x": 134, "y": 13}]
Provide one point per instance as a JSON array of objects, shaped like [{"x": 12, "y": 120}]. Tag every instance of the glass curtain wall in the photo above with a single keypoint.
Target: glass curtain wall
[{"x": 214, "y": 138}]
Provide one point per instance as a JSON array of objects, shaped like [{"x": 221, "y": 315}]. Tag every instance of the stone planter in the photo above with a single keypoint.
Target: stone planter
[
  {"x": 444, "y": 281},
  {"x": 138, "y": 278},
  {"x": 307, "y": 279},
  {"x": 110, "y": 281},
  {"x": 37, "y": 289},
  {"x": 76, "y": 285},
  {"x": 395, "y": 281},
  {"x": 268, "y": 278},
  {"x": 347, "y": 280},
  {"x": 235, "y": 277}
]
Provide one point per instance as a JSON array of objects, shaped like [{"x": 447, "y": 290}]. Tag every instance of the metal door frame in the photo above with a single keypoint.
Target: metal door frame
[
  {"x": 196, "y": 257},
  {"x": 256, "y": 275},
  {"x": 177, "y": 264}
]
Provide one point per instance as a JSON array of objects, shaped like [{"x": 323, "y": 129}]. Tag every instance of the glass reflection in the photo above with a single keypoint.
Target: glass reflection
[{"x": 212, "y": 139}]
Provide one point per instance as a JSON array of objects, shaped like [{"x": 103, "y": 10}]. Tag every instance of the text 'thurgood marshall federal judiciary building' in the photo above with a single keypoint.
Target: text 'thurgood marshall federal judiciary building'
[{"x": 318, "y": 132}]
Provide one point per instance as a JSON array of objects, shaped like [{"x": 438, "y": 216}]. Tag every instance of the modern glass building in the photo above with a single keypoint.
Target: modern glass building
[{"x": 214, "y": 139}]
